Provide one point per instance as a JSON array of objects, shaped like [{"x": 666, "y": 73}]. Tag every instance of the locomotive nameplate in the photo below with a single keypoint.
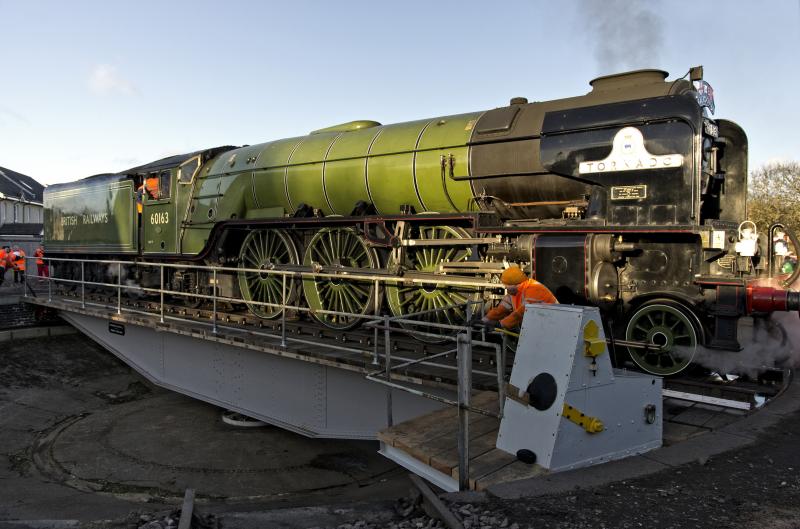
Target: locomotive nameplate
[
  {"x": 628, "y": 153},
  {"x": 628, "y": 192}
]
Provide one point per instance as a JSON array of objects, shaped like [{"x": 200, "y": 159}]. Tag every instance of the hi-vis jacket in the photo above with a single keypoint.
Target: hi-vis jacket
[
  {"x": 19, "y": 260},
  {"x": 511, "y": 309}
]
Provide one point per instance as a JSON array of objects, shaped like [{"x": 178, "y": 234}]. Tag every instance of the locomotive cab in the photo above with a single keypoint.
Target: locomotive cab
[{"x": 159, "y": 215}]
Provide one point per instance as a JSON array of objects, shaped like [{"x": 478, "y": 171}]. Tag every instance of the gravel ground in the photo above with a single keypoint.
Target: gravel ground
[{"x": 754, "y": 488}]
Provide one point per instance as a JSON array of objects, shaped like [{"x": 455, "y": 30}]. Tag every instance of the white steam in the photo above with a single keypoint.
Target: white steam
[
  {"x": 130, "y": 287},
  {"x": 767, "y": 343}
]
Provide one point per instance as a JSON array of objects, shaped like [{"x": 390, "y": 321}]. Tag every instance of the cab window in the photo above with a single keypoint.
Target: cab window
[
  {"x": 188, "y": 170},
  {"x": 164, "y": 185}
]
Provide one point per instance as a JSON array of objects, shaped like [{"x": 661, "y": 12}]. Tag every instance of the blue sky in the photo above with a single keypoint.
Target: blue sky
[{"x": 96, "y": 86}]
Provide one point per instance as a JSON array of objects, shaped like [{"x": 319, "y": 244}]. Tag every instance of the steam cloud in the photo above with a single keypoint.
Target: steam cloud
[
  {"x": 766, "y": 343},
  {"x": 626, "y": 35},
  {"x": 134, "y": 288}
]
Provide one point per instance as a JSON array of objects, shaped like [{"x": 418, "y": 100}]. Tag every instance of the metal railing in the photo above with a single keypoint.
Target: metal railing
[
  {"x": 416, "y": 324},
  {"x": 462, "y": 336}
]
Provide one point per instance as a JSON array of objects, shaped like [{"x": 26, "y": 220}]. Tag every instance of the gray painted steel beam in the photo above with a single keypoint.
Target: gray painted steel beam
[{"x": 311, "y": 399}]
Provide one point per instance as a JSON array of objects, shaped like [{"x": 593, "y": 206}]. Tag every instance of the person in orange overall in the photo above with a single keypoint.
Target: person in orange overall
[
  {"x": 41, "y": 267},
  {"x": 521, "y": 290},
  {"x": 149, "y": 186},
  {"x": 18, "y": 260},
  {"x": 3, "y": 262}
]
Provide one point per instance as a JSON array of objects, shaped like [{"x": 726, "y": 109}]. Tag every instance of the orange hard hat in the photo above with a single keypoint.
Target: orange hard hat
[{"x": 513, "y": 276}]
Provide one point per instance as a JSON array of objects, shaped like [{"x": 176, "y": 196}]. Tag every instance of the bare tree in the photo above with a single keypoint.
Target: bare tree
[{"x": 774, "y": 195}]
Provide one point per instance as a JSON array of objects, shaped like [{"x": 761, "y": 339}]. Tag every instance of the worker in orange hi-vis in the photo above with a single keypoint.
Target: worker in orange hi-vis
[
  {"x": 3, "y": 262},
  {"x": 521, "y": 290},
  {"x": 151, "y": 186},
  {"x": 41, "y": 267},
  {"x": 19, "y": 264}
]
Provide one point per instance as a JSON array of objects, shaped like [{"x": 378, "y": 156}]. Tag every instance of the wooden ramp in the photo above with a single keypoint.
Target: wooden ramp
[{"x": 432, "y": 441}]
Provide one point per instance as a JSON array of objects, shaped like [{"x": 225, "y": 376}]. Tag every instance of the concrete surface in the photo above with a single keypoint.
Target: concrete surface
[
  {"x": 162, "y": 443},
  {"x": 84, "y": 438}
]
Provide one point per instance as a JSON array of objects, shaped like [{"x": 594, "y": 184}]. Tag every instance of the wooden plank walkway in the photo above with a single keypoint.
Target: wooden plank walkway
[{"x": 432, "y": 439}]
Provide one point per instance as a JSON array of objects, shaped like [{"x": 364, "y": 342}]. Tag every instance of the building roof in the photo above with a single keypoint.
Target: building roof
[
  {"x": 18, "y": 185},
  {"x": 16, "y": 229}
]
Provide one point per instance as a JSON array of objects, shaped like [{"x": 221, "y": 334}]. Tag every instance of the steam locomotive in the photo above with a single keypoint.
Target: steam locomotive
[{"x": 630, "y": 197}]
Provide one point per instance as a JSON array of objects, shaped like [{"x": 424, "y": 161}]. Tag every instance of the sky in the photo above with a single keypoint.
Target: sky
[{"x": 101, "y": 86}]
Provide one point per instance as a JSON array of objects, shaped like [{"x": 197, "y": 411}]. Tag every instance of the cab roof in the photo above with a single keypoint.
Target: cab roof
[{"x": 174, "y": 161}]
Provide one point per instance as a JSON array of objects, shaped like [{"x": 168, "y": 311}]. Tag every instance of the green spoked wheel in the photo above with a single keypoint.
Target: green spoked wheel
[
  {"x": 668, "y": 325},
  {"x": 435, "y": 301},
  {"x": 339, "y": 247},
  {"x": 263, "y": 250}
]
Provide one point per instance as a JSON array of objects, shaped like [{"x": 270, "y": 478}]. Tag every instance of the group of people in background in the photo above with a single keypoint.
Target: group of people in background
[{"x": 14, "y": 259}]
